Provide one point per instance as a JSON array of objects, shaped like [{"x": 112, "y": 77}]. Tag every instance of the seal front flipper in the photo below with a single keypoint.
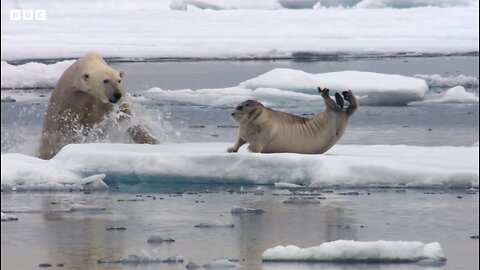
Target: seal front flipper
[
  {"x": 328, "y": 100},
  {"x": 339, "y": 100}
]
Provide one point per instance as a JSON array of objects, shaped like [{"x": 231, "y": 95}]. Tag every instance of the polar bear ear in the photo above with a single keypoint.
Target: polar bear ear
[
  {"x": 86, "y": 76},
  {"x": 122, "y": 74}
]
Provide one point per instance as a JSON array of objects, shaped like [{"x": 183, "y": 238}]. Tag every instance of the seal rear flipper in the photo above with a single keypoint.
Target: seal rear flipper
[
  {"x": 348, "y": 95},
  {"x": 339, "y": 100}
]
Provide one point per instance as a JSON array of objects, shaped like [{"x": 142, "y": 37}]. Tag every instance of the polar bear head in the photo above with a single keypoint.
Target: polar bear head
[{"x": 96, "y": 78}]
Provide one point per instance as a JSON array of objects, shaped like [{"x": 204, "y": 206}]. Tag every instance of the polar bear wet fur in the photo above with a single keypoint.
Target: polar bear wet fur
[{"x": 85, "y": 94}]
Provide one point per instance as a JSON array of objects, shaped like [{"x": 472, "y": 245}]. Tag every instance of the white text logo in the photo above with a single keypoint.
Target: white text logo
[{"x": 28, "y": 15}]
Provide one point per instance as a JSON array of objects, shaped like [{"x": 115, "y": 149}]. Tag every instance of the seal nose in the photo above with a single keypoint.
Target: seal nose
[{"x": 115, "y": 97}]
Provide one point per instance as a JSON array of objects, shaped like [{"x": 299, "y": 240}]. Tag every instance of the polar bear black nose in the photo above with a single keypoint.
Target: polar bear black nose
[{"x": 115, "y": 97}]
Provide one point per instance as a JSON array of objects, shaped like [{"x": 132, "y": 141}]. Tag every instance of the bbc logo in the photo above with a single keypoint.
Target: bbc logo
[{"x": 28, "y": 15}]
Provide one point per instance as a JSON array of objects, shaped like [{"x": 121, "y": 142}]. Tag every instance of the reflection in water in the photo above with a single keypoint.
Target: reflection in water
[{"x": 79, "y": 239}]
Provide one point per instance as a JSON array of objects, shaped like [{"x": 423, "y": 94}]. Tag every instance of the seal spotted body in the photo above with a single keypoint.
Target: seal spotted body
[{"x": 271, "y": 131}]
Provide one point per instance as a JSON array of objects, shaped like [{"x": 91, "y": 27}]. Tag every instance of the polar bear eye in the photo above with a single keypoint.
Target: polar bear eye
[{"x": 106, "y": 81}]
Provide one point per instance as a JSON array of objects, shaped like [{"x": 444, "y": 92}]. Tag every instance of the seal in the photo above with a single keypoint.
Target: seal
[{"x": 271, "y": 131}]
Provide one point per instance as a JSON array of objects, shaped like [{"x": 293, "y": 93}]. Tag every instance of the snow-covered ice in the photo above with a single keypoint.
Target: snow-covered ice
[
  {"x": 371, "y": 88},
  {"x": 435, "y": 80},
  {"x": 354, "y": 251},
  {"x": 456, "y": 94},
  {"x": 32, "y": 74},
  {"x": 156, "y": 31},
  {"x": 342, "y": 166},
  {"x": 22, "y": 172}
]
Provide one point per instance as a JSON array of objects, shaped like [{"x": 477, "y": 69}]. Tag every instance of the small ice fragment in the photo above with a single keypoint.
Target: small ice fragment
[
  {"x": 86, "y": 208},
  {"x": 238, "y": 210},
  {"x": 302, "y": 200},
  {"x": 174, "y": 259},
  {"x": 156, "y": 239},
  {"x": 215, "y": 224},
  {"x": 6, "y": 217},
  {"x": 94, "y": 183},
  {"x": 192, "y": 265},
  {"x": 220, "y": 264},
  {"x": 116, "y": 229},
  {"x": 286, "y": 186},
  {"x": 283, "y": 192}
]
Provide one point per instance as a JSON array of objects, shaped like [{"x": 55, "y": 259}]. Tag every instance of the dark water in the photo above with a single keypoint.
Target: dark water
[
  {"x": 217, "y": 74},
  {"x": 79, "y": 239}
]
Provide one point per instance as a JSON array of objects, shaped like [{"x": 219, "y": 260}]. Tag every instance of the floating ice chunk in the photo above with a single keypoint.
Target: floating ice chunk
[
  {"x": 238, "y": 210},
  {"x": 456, "y": 94},
  {"x": 6, "y": 217},
  {"x": 370, "y": 88},
  {"x": 282, "y": 192},
  {"x": 156, "y": 239},
  {"x": 215, "y": 224},
  {"x": 221, "y": 264},
  {"x": 86, "y": 208},
  {"x": 32, "y": 74},
  {"x": 287, "y": 186},
  {"x": 21, "y": 172},
  {"x": 353, "y": 251},
  {"x": 143, "y": 258},
  {"x": 94, "y": 182},
  {"x": 436, "y": 80}
]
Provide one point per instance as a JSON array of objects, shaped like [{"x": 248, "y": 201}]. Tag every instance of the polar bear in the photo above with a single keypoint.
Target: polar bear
[{"x": 85, "y": 94}]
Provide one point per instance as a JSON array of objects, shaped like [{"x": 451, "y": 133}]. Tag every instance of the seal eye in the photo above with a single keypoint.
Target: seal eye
[
  {"x": 246, "y": 105},
  {"x": 240, "y": 108},
  {"x": 106, "y": 81},
  {"x": 119, "y": 81}
]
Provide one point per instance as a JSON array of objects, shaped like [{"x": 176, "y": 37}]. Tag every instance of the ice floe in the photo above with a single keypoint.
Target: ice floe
[
  {"x": 22, "y": 172},
  {"x": 144, "y": 257},
  {"x": 342, "y": 166},
  {"x": 370, "y": 88},
  {"x": 32, "y": 74},
  {"x": 456, "y": 94},
  {"x": 355, "y": 251},
  {"x": 436, "y": 80}
]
